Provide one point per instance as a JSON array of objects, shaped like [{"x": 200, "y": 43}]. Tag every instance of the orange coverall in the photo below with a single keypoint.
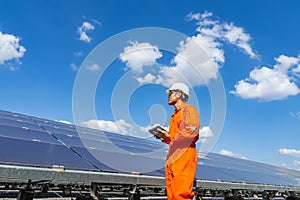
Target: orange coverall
[{"x": 181, "y": 162}]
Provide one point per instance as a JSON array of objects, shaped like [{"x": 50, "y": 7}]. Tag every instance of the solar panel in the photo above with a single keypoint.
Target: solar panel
[{"x": 31, "y": 141}]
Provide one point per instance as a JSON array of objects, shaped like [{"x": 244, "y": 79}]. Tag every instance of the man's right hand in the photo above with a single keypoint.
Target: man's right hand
[{"x": 165, "y": 133}]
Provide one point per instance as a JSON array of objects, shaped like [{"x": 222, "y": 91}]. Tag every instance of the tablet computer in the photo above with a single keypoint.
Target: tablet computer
[{"x": 155, "y": 131}]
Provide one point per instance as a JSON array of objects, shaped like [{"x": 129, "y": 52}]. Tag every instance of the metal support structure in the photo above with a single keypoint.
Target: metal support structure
[
  {"x": 101, "y": 184},
  {"x": 26, "y": 193},
  {"x": 134, "y": 193}
]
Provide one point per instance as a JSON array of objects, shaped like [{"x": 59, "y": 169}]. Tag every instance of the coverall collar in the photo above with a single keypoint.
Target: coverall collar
[{"x": 180, "y": 106}]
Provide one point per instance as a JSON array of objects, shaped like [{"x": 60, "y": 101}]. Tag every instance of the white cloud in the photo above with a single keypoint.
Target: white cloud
[
  {"x": 198, "y": 58},
  {"x": 74, "y": 67},
  {"x": 149, "y": 78},
  {"x": 220, "y": 32},
  {"x": 231, "y": 154},
  {"x": 270, "y": 83},
  {"x": 82, "y": 31},
  {"x": 237, "y": 36},
  {"x": 119, "y": 126},
  {"x": 78, "y": 53},
  {"x": 137, "y": 55},
  {"x": 64, "y": 121},
  {"x": 10, "y": 50},
  {"x": 205, "y": 133},
  {"x": 199, "y": 17},
  {"x": 296, "y": 115},
  {"x": 97, "y": 22},
  {"x": 297, "y": 162},
  {"x": 289, "y": 152},
  {"x": 93, "y": 67},
  {"x": 195, "y": 67},
  {"x": 284, "y": 165},
  {"x": 285, "y": 63},
  {"x": 296, "y": 71},
  {"x": 212, "y": 34}
]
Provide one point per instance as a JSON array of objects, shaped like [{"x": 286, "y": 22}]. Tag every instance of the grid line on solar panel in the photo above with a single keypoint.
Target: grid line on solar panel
[
  {"x": 108, "y": 149},
  {"x": 87, "y": 132},
  {"x": 26, "y": 134},
  {"x": 53, "y": 123},
  {"x": 95, "y": 162},
  {"x": 237, "y": 166},
  {"x": 71, "y": 140},
  {"x": 19, "y": 123},
  {"x": 211, "y": 173},
  {"x": 101, "y": 136},
  {"x": 106, "y": 168},
  {"x": 240, "y": 164},
  {"x": 71, "y": 129},
  {"x": 218, "y": 174},
  {"x": 12, "y": 114},
  {"x": 261, "y": 167},
  {"x": 126, "y": 161},
  {"x": 14, "y": 118}
]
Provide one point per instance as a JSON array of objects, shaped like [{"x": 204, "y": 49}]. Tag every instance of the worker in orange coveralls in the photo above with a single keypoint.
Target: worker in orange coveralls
[{"x": 181, "y": 162}]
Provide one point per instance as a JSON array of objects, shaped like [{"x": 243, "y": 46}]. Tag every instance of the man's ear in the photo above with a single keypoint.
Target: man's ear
[{"x": 178, "y": 94}]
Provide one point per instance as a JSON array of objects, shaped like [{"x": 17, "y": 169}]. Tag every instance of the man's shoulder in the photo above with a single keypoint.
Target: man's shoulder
[{"x": 190, "y": 107}]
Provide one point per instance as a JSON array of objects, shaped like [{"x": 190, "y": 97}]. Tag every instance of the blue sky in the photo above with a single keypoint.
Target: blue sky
[{"x": 252, "y": 45}]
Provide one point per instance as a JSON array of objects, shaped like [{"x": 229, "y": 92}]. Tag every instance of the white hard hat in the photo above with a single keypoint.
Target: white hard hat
[{"x": 179, "y": 86}]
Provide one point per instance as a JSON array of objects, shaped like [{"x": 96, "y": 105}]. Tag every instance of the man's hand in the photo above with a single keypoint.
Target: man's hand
[{"x": 165, "y": 133}]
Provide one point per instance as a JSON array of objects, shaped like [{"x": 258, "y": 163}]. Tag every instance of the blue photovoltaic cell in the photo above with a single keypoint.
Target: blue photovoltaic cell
[
  {"x": 26, "y": 134},
  {"x": 237, "y": 174},
  {"x": 205, "y": 172},
  {"x": 91, "y": 159},
  {"x": 49, "y": 123},
  {"x": 22, "y": 152},
  {"x": 15, "y": 118},
  {"x": 126, "y": 162},
  {"x": 249, "y": 170},
  {"x": 97, "y": 143},
  {"x": 232, "y": 164},
  {"x": 19, "y": 123},
  {"x": 99, "y": 137},
  {"x": 34, "y": 141},
  {"x": 12, "y": 114}
]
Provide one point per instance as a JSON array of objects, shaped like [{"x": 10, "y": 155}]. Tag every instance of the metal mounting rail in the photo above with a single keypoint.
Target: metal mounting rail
[{"x": 223, "y": 185}]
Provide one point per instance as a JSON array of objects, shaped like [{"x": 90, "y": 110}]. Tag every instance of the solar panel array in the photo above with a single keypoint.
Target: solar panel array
[{"x": 32, "y": 141}]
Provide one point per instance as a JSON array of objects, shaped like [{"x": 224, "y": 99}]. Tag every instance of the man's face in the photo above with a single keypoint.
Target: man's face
[{"x": 174, "y": 96}]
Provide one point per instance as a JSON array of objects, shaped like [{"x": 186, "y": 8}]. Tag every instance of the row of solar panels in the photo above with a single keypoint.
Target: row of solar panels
[{"x": 31, "y": 141}]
